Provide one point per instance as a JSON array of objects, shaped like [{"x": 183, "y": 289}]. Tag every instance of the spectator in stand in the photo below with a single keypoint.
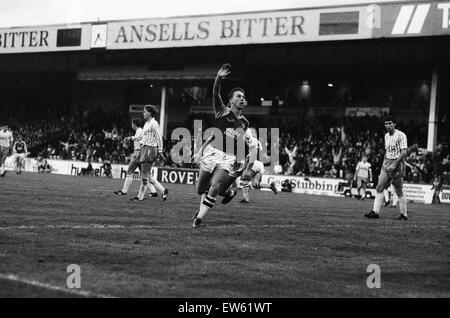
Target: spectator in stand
[
  {"x": 42, "y": 165},
  {"x": 291, "y": 153},
  {"x": 334, "y": 173},
  {"x": 446, "y": 170},
  {"x": 437, "y": 158},
  {"x": 107, "y": 168}
]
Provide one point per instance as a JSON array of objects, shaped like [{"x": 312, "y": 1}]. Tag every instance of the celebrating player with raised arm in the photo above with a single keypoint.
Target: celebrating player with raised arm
[
  {"x": 219, "y": 162},
  {"x": 392, "y": 170}
]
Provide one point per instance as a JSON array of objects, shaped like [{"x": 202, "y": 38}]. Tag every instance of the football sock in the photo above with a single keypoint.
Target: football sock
[
  {"x": 386, "y": 195},
  {"x": 245, "y": 190},
  {"x": 206, "y": 206},
  {"x": 127, "y": 183},
  {"x": 202, "y": 198},
  {"x": 378, "y": 202},
  {"x": 403, "y": 208},
  {"x": 142, "y": 189},
  {"x": 151, "y": 188},
  {"x": 394, "y": 198},
  {"x": 156, "y": 185}
]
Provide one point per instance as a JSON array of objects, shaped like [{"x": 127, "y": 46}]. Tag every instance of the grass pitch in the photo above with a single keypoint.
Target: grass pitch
[{"x": 278, "y": 246}]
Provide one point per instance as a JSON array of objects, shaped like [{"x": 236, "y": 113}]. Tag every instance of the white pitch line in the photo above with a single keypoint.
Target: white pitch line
[
  {"x": 141, "y": 226},
  {"x": 77, "y": 292}
]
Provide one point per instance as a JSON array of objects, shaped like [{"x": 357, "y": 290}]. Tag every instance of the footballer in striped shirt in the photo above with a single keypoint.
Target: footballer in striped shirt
[
  {"x": 151, "y": 148},
  {"x": 393, "y": 168}
]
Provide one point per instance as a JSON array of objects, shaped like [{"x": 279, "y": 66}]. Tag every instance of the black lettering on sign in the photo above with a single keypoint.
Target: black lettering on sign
[
  {"x": 203, "y": 27},
  {"x": 122, "y": 35},
  {"x": 227, "y": 29},
  {"x": 67, "y": 37}
]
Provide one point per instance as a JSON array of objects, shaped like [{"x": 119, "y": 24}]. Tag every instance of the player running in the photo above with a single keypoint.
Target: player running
[
  {"x": 20, "y": 153},
  {"x": 6, "y": 143},
  {"x": 363, "y": 175},
  {"x": 392, "y": 170},
  {"x": 255, "y": 172},
  {"x": 136, "y": 125},
  {"x": 152, "y": 147},
  {"x": 218, "y": 168}
]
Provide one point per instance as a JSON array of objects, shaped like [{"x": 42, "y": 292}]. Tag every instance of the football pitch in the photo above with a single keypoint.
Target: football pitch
[{"x": 286, "y": 245}]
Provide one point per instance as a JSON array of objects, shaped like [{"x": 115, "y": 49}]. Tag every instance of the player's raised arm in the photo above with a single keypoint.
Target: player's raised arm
[{"x": 218, "y": 104}]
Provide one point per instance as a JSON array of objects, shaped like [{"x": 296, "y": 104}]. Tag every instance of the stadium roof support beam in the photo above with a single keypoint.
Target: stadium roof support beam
[
  {"x": 432, "y": 127},
  {"x": 162, "y": 112}
]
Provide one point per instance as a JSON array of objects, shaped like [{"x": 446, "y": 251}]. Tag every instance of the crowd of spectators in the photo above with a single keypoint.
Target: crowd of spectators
[
  {"x": 331, "y": 147},
  {"x": 321, "y": 146}
]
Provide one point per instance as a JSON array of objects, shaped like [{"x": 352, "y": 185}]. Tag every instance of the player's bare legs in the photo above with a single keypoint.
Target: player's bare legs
[
  {"x": 203, "y": 183},
  {"x": 246, "y": 187},
  {"x": 395, "y": 197},
  {"x": 210, "y": 199},
  {"x": 383, "y": 180},
  {"x": 147, "y": 179},
  {"x": 2, "y": 163},
  {"x": 228, "y": 188},
  {"x": 204, "y": 179},
  {"x": 363, "y": 188},
  {"x": 387, "y": 199},
  {"x": 21, "y": 164},
  {"x": 129, "y": 177},
  {"x": 129, "y": 180},
  {"x": 17, "y": 164},
  {"x": 255, "y": 184}
]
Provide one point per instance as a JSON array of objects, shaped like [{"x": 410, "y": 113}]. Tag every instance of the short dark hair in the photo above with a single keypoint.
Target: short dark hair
[
  {"x": 137, "y": 122},
  {"x": 236, "y": 89},
  {"x": 150, "y": 109},
  {"x": 390, "y": 118}
]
